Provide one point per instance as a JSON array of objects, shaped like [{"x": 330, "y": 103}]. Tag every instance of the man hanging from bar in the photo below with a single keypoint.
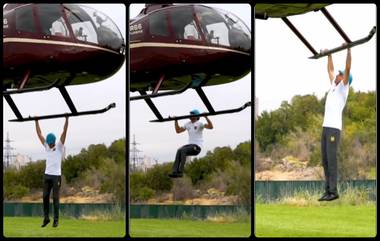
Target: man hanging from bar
[
  {"x": 195, "y": 129},
  {"x": 332, "y": 124},
  {"x": 52, "y": 178}
]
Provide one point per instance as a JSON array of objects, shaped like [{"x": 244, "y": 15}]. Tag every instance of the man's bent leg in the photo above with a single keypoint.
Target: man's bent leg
[
  {"x": 177, "y": 161},
  {"x": 188, "y": 150}
]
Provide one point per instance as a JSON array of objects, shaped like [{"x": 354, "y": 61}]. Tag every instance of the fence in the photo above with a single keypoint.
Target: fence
[
  {"x": 272, "y": 190},
  {"x": 180, "y": 211},
  {"x": 136, "y": 210},
  {"x": 67, "y": 209}
]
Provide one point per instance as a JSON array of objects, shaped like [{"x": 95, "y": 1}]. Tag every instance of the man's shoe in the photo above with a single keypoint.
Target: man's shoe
[
  {"x": 332, "y": 196},
  {"x": 323, "y": 198},
  {"x": 55, "y": 223},
  {"x": 175, "y": 175},
  {"x": 45, "y": 222}
]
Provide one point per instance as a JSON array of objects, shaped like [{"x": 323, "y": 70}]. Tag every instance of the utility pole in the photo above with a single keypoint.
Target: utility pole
[
  {"x": 8, "y": 156},
  {"x": 134, "y": 155}
]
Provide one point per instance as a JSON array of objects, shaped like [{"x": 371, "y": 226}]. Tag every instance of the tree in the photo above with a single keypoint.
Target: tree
[
  {"x": 117, "y": 149},
  {"x": 242, "y": 153}
]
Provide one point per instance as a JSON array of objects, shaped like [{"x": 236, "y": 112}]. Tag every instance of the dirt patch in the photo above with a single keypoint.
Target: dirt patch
[
  {"x": 85, "y": 195},
  {"x": 308, "y": 173},
  {"x": 211, "y": 197}
]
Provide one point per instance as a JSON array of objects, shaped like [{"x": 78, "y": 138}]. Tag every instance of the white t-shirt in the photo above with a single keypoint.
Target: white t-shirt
[
  {"x": 54, "y": 158},
  {"x": 335, "y": 102},
  {"x": 195, "y": 132}
]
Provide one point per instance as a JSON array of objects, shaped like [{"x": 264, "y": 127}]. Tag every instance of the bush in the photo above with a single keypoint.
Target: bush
[
  {"x": 182, "y": 189},
  {"x": 157, "y": 178},
  {"x": 114, "y": 180},
  {"x": 74, "y": 166},
  {"x": 239, "y": 183},
  {"x": 32, "y": 174},
  {"x": 142, "y": 194},
  {"x": 199, "y": 169},
  {"x": 17, "y": 191}
]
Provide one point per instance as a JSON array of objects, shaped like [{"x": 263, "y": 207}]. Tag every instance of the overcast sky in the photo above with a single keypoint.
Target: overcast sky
[
  {"x": 160, "y": 141},
  {"x": 83, "y": 130},
  {"x": 282, "y": 68}
]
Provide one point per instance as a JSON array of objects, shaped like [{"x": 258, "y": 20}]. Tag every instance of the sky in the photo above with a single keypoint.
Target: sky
[
  {"x": 160, "y": 141},
  {"x": 83, "y": 130},
  {"x": 282, "y": 68}
]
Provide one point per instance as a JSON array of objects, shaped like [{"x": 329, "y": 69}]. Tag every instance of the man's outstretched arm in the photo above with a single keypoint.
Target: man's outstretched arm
[
  {"x": 330, "y": 67},
  {"x": 63, "y": 136},
  {"x": 39, "y": 133},
  {"x": 348, "y": 67}
]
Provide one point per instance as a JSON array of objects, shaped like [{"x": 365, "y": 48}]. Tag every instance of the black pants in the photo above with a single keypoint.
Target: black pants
[
  {"x": 182, "y": 153},
  {"x": 51, "y": 181},
  {"x": 329, "y": 148}
]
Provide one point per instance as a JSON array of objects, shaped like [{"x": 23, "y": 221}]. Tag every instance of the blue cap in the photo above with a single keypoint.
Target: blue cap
[
  {"x": 349, "y": 78},
  {"x": 195, "y": 112},
  {"x": 50, "y": 138}
]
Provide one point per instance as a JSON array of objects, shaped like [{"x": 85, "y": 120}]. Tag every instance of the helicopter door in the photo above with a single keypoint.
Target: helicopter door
[
  {"x": 25, "y": 21},
  {"x": 159, "y": 27},
  {"x": 192, "y": 49}
]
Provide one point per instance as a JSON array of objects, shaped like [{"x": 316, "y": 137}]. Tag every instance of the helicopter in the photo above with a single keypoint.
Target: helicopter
[
  {"x": 57, "y": 45},
  {"x": 176, "y": 47},
  {"x": 283, "y": 11}
]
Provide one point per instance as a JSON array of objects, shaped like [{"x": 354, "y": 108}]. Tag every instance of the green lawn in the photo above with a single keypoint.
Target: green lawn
[
  {"x": 279, "y": 220},
  {"x": 31, "y": 227},
  {"x": 187, "y": 228}
]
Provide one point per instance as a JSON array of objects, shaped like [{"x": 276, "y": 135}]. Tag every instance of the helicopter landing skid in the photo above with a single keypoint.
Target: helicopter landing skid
[
  {"x": 348, "y": 45},
  {"x": 65, "y": 95},
  {"x": 348, "y": 42},
  {"x": 91, "y": 112},
  {"x": 229, "y": 111},
  {"x": 195, "y": 84}
]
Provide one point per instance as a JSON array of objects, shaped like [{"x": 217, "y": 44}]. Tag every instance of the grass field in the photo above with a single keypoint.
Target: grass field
[
  {"x": 31, "y": 227},
  {"x": 284, "y": 220},
  {"x": 187, "y": 228}
]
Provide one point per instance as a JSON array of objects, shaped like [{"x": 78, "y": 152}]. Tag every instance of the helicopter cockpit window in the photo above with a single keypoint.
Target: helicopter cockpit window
[
  {"x": 90, "y": 25},
  {"x": 239, "y": 34},
  {"x": 24, "y": 19},
  {"x": 213, "y": 26},
  {"x": 158, "y": 24},
  {"x": 51, "y": 20},
  {"x": 81, "y": 25},
  {"x": 223, "y": 28},
  {"x": 183, "y": 24}
]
